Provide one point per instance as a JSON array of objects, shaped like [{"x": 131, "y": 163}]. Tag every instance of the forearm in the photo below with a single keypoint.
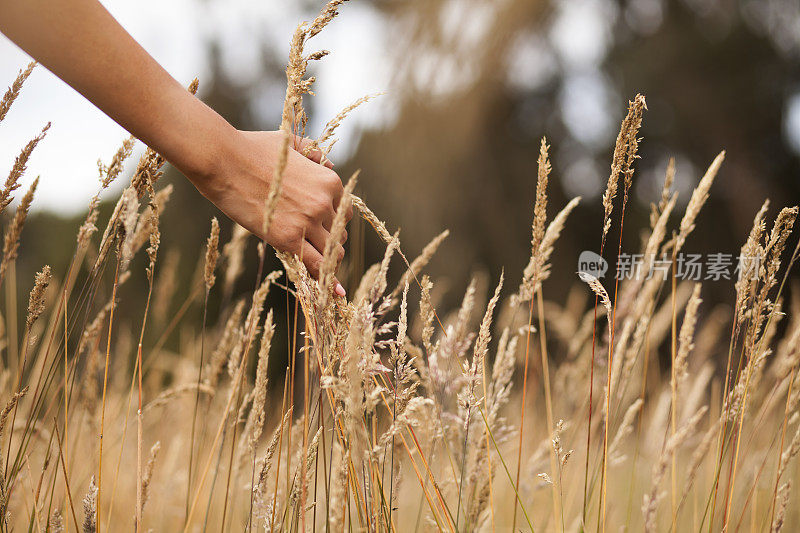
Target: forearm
[{"x": 80, "y": 42}]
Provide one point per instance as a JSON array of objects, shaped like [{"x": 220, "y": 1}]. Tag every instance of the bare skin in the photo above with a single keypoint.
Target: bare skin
[{"x": 80, "y": 42}]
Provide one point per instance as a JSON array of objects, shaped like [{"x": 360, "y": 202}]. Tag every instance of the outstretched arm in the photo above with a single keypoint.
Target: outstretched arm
[{"x": 80, "y": 42}]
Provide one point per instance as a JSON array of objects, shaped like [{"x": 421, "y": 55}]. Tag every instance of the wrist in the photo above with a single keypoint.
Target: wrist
[
  {"x": 215, "y": 157},
  {"x": 206, "y": 145}
]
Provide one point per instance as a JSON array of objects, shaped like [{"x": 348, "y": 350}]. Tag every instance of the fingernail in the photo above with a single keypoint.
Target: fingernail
[{"x": 339, "y": 290}]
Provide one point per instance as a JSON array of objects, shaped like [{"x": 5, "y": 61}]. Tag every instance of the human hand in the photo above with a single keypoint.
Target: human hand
[
  {"x": 82, "y": 44},
  {"x": 310, "y": 194}
]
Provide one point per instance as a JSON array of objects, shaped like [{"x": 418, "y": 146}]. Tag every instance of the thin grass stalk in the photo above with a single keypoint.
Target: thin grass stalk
[
  {"x": 394, "y": 412},
  {"x": 212, "y": 255},
  {"x": 105, "y": 385},
  {"x": 673, "y": 384},
  {"x": 610, "y": 361},
  {"x": 754, "y": 234},
  {"x": 508, "y": 474},
  {"x": 196, "y": 405},
  {"x": 280, "y": 444},
  {"x": 733, "y": 437},
  {"x": 548, "y": 399},
  {"x": 118, "y": 467},
  {"x": 590, "y": 408},
  {"x": 219, "y": 450},
  {"x": 784, "y": 425},
  {"x": 722, "y": 429},
  {"x": 17, "y": 389},
  {"x": 792, "y": 260},
  {"x": 515, "y": 484},
  {"x": 753, "y": 492},
  {"x": 723, "y": 441},
  {"x": 447, "y": 515},
  {"x": 488, "y": 452},
  {"x": 230, "y": 459},
  {"x": 209, "y": 278},
  {"x": 321, "y": 429},
  {"x": 327, "y": 466},
  {"x": 36, "y": 518},
  {"x": 52, "y": 486},
  {"x": 731, "y": 468},
  {"x": 66, "y": 477},
  {"x": 640, "y": 423},
  {"x": 139, "y": 440},
  {"x": 11, "y": 305},
  {"x": 44, "y": 469},
  {"x": 66, "y": 404},
  {"x": 140, "y": 428},
  {"x": 292, "y": 372},
  {"x": 306, "y": 400},
  {"x": 735, "y": 455}
]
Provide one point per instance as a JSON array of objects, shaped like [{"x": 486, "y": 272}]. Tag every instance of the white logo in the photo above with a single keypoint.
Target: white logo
[{"x": 591, "y": 263}]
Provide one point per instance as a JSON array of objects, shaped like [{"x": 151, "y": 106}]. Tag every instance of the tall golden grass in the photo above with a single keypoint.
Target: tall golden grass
[{"x": 390, "y": 419}]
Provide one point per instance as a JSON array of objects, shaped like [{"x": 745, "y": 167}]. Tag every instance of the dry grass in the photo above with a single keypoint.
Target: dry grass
[{"x": 390, "y": 419}]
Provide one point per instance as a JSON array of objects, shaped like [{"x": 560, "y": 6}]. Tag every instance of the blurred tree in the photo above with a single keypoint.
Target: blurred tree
[
  {"x": 476, "y": 85},
  {"x": 717, "y": 75}
]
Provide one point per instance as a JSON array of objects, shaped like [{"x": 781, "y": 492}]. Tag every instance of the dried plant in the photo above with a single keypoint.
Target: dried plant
[
  {"x": 13, "y": 91},
  {"x": 90, "y": 509},
  {"x": 36, "y": 301},
  {"x": 12, "y": 236},
  {"x": 212, "y": 254},
  {"x": 20, "y": 165},
  {"x": 625, "y": 152},
  {"x": 386, "y": 418}
]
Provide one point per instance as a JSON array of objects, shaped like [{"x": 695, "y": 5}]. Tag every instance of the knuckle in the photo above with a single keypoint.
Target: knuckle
[
  {"x": 294, "y": 236},
  {"x": 332, "y": 180},
  {"x": 321, "y": 207}
]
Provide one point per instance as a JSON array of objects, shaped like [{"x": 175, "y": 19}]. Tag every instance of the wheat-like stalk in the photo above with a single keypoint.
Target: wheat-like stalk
[{"x": 412, "y": 411}]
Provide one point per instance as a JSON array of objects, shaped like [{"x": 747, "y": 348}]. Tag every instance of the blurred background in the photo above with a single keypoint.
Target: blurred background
[{"x": 471, "y": 87}]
